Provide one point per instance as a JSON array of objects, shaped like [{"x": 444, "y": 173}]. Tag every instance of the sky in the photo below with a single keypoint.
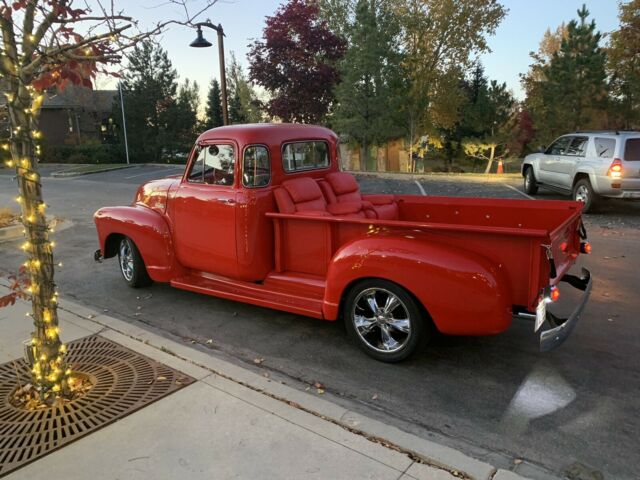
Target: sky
[{"x": 243, "y": 20}]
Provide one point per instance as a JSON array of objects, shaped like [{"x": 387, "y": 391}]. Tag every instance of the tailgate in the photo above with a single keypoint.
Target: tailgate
[{"x": 565, "y": 246}]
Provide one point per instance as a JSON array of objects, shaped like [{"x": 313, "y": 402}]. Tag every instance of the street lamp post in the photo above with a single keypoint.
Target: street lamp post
[{"x": 201, "y": 42}]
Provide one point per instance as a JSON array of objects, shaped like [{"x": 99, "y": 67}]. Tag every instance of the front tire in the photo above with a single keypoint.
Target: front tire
[
  {"x": 583, "y": 192},
  {"x": 530, "y": 183},
  {"x": 131, "y": 264},
  {"x": 384, "y": 320}
]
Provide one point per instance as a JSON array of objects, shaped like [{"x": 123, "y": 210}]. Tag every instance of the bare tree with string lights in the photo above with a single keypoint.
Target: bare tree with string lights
[{"x": 45, "y": 44}]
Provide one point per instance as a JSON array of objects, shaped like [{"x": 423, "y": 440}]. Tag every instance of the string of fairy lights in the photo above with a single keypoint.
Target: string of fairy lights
[{"x": 49, "y": 369}]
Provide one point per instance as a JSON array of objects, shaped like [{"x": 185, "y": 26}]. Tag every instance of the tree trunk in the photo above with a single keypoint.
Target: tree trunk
[
  {"x": 49, "y": 370},
  {"x": 490, "y": 161}
]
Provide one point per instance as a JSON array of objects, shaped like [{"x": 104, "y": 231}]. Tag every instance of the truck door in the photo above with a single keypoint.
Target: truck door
[{"x": 204, "y": 211}]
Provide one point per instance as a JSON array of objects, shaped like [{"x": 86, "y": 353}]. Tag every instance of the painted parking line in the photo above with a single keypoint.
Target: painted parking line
[
  {"x": 516, "y": 190},
  {"x": 422, "y": 192}
]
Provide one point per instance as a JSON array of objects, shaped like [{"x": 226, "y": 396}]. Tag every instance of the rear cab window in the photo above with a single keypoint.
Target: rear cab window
[
  {"x": 632, "y": 150},
  {"x": 605, "y": 147},
  {"x": 306, "y": 155}
]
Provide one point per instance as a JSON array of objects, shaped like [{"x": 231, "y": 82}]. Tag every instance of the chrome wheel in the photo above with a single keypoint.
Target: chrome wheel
[
  {"x": 582, "y": 194},
  {"x": 381, "y": 320},
  {"x": 126, "y": 260}
]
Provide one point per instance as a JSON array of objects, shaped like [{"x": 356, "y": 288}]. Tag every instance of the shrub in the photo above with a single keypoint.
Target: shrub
[{"x": 103, "y": 153}]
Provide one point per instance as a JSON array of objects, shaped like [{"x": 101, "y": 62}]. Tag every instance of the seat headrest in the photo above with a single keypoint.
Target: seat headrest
[
  {"x": 303, "y": 189},
  {"x": 342, "y": 182}
]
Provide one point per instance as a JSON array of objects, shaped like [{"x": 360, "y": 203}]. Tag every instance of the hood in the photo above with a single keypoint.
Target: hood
[{"x": 154, "y": 194}]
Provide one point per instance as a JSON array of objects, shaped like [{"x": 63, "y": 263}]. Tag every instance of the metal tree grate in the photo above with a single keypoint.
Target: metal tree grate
[{"x": 124, "y": 381}]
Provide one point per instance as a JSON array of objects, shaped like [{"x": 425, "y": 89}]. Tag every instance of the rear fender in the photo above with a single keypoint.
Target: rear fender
[
  {"x": 463, "y": 292},
  {"x": 149, "y": 231}
]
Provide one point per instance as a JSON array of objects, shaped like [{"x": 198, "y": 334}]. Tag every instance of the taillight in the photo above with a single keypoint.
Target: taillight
[
  {"x": 615, "y": 169},
  {"x": 585, "y": 247},
  {"x": 551, "y": 294}
]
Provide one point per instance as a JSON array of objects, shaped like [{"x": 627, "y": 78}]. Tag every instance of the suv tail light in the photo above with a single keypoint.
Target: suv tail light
[
  {"x": 585, "y": 247},
  {"x": 615, "y": 170}
]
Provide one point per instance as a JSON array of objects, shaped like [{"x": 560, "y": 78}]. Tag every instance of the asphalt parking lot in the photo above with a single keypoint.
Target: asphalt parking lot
[{"x": 573, "y": 411}]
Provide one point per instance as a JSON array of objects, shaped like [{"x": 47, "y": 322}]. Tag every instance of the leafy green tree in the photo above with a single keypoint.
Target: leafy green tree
[
  {"x": 569, "y": 91},
  {"x": 213, "y": 109},
  {"x": 438, "y": 36},
  {"x": 368, "y": 102},
  {"x": 149, "y": 87},
  {"x": 624, "y": 66},
  {"x": 338, "y": 15}
]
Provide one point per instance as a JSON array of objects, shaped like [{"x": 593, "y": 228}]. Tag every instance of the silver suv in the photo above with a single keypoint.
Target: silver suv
[{"x": 587, "y": 165}]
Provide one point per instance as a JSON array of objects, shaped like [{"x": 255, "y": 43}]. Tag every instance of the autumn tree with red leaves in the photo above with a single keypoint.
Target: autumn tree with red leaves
[
  {"x": 295, "y": 62},
  {"x": 46, "y": 44}
]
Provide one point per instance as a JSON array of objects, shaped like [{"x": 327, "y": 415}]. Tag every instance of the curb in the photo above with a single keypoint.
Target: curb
[
  {"x": 14, "y": 232},
  {"x": 10, "y": 232},
  {"x": 421, "y": 450},
  {"x": 63, "y": 173},
  {"x": 416, "y": 176}
]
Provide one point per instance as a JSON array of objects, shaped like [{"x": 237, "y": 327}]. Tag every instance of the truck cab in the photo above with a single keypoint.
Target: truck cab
[{"x": 262, "y": 214}]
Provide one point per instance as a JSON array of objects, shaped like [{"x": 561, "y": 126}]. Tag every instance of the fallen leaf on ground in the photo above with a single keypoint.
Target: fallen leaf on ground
[
  {"x": 258, "y": 361},
  {"x": 161, "y": 377},
  {"x": 209, "y": 342},
  {"x": 320, "y": 391},
  {"x": 91, "y": 315},
  {"x": 375, "y": 396},
  {"x": 318, "y": 385}
]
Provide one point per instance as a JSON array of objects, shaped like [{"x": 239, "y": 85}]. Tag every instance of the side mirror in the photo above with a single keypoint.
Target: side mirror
[
  {"x": 542, "y": 149},
  {"x": 213, "y": 150}
]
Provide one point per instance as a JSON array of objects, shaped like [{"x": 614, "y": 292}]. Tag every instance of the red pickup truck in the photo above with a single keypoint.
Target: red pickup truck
[{"x": 263, "y": 215}]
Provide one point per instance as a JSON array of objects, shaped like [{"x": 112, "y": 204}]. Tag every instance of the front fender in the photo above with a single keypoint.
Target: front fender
[
  {"x": 464, "y": 292},
  {"x": 149, "y": 231}
]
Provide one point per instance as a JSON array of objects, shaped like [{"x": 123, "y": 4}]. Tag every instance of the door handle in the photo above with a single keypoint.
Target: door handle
[{"x": 227, "y": 201}]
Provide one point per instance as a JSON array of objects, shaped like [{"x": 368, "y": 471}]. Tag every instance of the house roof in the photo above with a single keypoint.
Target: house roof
[{"x": 80, "y": 97}]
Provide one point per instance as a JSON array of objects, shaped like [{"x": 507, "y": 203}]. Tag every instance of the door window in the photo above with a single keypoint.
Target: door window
[
  {"x": 559, "y": 147},
  {"x": 215, "y": 165},
  {"x": 577, "y": 146},
  {"x": 256, "y": 167},
  {"x": 305, "y": 156}
]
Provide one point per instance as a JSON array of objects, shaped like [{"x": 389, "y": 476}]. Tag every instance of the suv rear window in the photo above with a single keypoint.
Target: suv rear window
[
  {"x": 305, "y": 156},
  {"x": 632, "y": 150},
  {"x": 605, "y": 147}
]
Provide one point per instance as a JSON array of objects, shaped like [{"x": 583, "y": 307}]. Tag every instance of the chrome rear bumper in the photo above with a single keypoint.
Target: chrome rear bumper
[{"x": 554, "y": 337}]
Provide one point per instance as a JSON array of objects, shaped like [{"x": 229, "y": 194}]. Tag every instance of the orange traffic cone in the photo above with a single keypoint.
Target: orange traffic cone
[{"x": 500, "y": 167}]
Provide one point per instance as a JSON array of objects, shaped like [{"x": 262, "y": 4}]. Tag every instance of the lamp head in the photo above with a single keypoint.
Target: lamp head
[{"x": 200, "y": 41}]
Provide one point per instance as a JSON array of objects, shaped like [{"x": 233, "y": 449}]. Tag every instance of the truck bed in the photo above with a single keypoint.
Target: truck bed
[{"x": 513, "y": 234}]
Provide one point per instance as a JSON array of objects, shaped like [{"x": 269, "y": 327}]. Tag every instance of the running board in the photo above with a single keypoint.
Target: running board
[{"x": 247, "y": 292}]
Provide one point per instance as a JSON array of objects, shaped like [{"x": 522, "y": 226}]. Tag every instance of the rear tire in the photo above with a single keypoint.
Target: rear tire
[
  {"x": 530, "y": 183},
  {"x": 131, "y": 264},
  {"x": 583, "y": 192},
  {"x": 384, "y": 320}
]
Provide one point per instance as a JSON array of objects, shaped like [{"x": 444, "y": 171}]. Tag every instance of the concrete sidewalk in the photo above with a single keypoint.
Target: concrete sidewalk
[{"x": 230, "y": 423}]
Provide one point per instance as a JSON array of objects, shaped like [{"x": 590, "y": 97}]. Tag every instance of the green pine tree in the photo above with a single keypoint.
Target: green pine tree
[
  {"x": 213, "y": 109},
  {"x": 149, "y": 87},
  {"x": 185, "y": 122},
  {"x": 368, "y": 94},
  {"x": 571, "y": 92},
  {"x": 247, "y": 106}
]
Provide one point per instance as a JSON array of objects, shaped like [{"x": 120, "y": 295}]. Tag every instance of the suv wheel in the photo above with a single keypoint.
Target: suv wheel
[
  {"x": 583, "y": 192},
  {"x": 530, "y": 184}
]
